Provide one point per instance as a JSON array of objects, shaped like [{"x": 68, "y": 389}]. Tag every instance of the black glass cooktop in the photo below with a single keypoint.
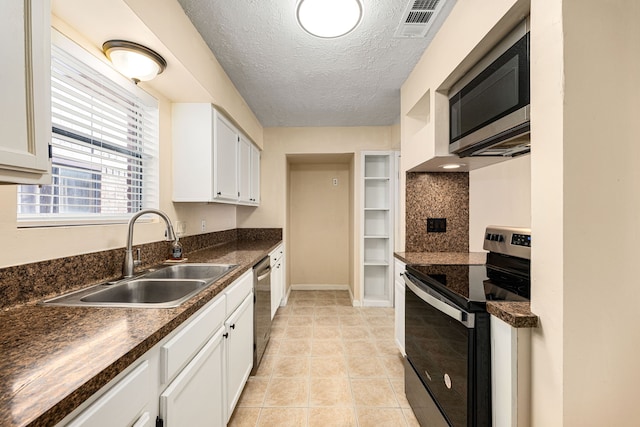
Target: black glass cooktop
[{"x": 473, "y": 285}]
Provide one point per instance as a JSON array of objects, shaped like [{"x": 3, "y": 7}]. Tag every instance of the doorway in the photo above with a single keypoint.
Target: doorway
[{"x": 320, "y": 221}]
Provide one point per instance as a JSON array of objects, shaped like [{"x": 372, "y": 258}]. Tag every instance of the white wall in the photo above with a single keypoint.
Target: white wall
[{"x": 499, "y": 195}]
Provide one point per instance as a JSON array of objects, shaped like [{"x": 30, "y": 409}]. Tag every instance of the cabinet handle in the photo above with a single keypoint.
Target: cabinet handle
[
  {"x": 233, "y": 326},
  {"x": 219, "y": 193},
  {"x": 226, "y": 335}
]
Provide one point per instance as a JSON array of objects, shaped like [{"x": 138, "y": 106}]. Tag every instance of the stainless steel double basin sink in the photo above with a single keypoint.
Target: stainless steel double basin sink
[{"x": 163, "y": 288}]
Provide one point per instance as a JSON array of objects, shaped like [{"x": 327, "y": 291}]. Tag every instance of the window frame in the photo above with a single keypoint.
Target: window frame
[{"x": 151, "y": 176}]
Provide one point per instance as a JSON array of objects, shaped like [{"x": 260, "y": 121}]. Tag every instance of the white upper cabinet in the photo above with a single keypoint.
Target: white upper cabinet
[
  {"x": 25, "y": 104},
  {"x": 248, "y": 172},
  {"x": 225, "y": 158},
  {"x": 212, "y": 160},
  {"x": 255, "y": 175},
  {"x": 244, "y": 171}
]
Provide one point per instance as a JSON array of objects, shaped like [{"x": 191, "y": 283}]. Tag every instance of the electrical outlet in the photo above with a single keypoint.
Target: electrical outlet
[
  {"x": 335, "y": 182},
  {"x": 436, "y": 225},
  {"x": 203, "y": 225}
]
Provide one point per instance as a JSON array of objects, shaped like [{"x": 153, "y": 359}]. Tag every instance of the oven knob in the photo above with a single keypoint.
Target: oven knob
[{"x": 500, "y": 238}]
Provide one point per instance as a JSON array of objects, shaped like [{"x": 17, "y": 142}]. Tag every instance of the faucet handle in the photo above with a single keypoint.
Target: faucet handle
[{"x": 138, "y": 259}]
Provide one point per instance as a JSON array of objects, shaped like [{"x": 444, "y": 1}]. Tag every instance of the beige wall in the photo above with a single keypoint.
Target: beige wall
[
  {"x": 585, "y": 212},
  {"x": 90, "y": 23},
  {"x": 319, "y": 234},
  {"x": 280, "y": 142},
  {"x": 499, "y": 195}
]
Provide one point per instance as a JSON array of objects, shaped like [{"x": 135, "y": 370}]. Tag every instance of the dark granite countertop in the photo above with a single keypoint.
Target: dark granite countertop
[
  {"x": 516, "y": 314},
  {"x": 54, "y": 358}
]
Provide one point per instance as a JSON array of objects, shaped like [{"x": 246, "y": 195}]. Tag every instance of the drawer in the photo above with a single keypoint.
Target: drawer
[
  {"x": 179, "y": 350},
  {"x": 238, "y": 291},
  {"x": 123, "y": 404},
  {"x": 276, "y": 254}
]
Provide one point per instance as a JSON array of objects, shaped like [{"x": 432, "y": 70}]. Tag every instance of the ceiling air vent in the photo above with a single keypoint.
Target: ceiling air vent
[{"x": 418, "y": 17}]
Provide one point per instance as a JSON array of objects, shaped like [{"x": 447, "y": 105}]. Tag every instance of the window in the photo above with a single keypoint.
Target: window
[{"x": 104, "y": 145}]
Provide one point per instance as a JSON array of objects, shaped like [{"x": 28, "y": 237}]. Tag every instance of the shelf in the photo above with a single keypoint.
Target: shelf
[
  {"x": 376, "y": 251},
  {"x": 376, "y": 222},
  {"x": 376, "y": 165},
  {"x": 376, "y": 194},
  {"x": 376, "y": 282},
  {"x": 378, "y": 182}
]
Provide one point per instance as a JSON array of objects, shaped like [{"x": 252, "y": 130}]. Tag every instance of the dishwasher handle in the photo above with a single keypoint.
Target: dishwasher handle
[{"x": 266, "y": 272}]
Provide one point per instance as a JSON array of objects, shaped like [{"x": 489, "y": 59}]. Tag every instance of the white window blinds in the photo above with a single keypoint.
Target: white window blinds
[{"x": 104, "y": 144}]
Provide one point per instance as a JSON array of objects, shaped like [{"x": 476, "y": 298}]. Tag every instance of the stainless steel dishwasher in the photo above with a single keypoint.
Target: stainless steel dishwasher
[{"x": 261, "y": 309}]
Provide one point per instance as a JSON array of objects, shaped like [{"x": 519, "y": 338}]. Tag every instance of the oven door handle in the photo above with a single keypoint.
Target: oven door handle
[{"x": 435, "y": 302}]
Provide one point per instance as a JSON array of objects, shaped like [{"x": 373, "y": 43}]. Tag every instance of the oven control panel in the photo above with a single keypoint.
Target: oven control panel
[
  {"x": 513, "y": 241},
  {"x": 521, "y": 240}
]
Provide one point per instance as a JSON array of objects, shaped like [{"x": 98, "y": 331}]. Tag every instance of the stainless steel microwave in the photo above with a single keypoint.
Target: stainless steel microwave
[{"x": 489, "y": 106}]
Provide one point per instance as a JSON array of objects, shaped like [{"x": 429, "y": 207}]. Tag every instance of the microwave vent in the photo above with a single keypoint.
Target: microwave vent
[{"x": 418, "y": 18}]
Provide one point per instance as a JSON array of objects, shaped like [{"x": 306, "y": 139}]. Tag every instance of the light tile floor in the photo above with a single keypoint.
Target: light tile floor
[{"x": 327, "y": 364}]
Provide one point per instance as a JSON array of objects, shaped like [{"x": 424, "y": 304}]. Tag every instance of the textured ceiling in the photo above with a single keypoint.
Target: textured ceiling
[{"x": 290, "y": 78}]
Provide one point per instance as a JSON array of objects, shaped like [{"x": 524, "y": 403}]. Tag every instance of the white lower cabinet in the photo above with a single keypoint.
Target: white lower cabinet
[
  {"x": 239, "y": 351},
  {"x": 195, "y": 397},
  {"x": 277, "y": 279},
  {"x": 399, "y": 286},
  {"x": 193, "y": 377},
  {"x": 510, "y": 374},
  {"x": 124, "y": 404}
]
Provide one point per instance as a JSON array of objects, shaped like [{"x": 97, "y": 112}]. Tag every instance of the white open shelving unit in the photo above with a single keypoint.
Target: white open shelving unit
[{"x": 379, "y": 199}]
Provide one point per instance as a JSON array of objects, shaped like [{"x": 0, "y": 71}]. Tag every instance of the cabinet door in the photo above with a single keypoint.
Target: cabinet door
[
  {"x": 244, "y": 170},
  {"x": 25, "y": 80},
  {"x": 239, "y": 346},
  {"x": 195, "y": 398},
  {"x": 123, "y": 404},
  {"x": 225, "y": 155},
  {"x": 255, "y": 175}
]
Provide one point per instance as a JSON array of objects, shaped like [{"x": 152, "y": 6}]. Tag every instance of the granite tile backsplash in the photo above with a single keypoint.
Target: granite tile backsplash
[
  {"x": 26, "y": 283},
  {"x": 437, "y": 195}
]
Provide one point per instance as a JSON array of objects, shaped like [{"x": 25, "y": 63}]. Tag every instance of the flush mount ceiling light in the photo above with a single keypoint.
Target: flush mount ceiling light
[
  {"x": 329, "y": 18},
  {"x": 452, "y": 166},
  {"x": 133, "y": 60}
]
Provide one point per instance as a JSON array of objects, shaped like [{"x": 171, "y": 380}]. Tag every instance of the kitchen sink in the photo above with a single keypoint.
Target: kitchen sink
[
  {"x": 163, "y": 288},
  {"x": 191, "y": 271},
  {"x": 147, "y": 291}
]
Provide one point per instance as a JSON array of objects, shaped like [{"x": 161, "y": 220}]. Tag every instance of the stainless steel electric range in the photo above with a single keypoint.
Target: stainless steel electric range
[{"x": 447, "y": 329}]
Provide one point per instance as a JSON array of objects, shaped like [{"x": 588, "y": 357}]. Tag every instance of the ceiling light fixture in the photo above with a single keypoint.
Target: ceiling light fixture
[
  {"x": 329, "y": 18},
  {"x": 133, "y": 60},
  {"x": 452, "y": 165}
]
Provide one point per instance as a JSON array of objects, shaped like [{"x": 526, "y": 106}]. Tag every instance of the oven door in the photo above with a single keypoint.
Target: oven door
[{"x": 440, "y": 346}]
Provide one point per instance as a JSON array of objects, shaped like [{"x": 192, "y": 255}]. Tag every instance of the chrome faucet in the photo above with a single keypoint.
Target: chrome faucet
[{"x": 129, "y": 263}]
